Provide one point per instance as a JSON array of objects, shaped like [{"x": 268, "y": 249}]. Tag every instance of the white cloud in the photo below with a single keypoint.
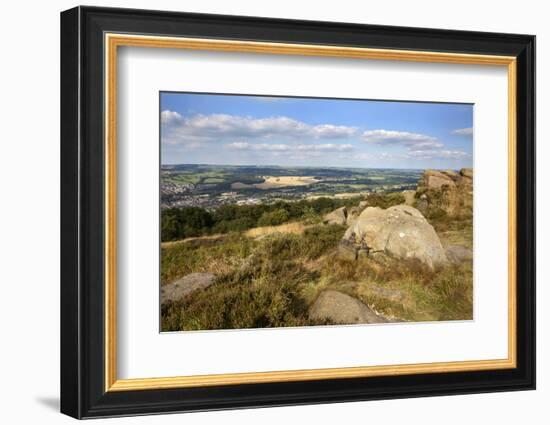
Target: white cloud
[
  {"x": 284, "y": 147},
  {"x": 418, "y": 146},
  {"x": 180, "y": 129},
  {"x": 469, "y": 131},
  {"x": 170, "y": 117},
  {"x": 438, "y": 154},
  {"x": 329, "y": 131},
  {"x": 327, "y": 147},
  {"x": 414, "y": 141}
]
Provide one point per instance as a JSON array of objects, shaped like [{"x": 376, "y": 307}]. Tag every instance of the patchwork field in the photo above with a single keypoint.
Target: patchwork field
[{"x": 210, "y": 186}]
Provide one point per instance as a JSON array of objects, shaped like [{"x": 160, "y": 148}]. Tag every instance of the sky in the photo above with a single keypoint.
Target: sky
[{"x": 286, "y": 131}]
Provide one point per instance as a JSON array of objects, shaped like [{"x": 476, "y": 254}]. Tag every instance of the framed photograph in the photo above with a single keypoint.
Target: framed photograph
[{"x": 261, "y": 212}]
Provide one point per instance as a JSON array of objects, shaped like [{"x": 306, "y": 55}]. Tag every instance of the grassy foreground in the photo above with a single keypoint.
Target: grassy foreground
[{"x": 270, "y": 278}]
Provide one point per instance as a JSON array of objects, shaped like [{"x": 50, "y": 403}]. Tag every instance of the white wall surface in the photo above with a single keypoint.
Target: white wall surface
[{"x": 29, "y": 212}]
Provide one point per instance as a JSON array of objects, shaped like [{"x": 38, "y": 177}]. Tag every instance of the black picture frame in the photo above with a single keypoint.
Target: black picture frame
[{"x": 83, "y": 392}]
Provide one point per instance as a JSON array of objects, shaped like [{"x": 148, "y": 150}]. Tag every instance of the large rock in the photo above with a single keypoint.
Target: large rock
[
  {"x": 342, "y": 309},
  {"x": 338, "y": 216},
  {"x": 185, "y": 286},
  {"x": 400, "y": 231}
]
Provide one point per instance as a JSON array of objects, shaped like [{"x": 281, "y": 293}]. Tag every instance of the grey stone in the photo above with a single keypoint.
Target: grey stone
[
  {"x": 390, "y": 294},
  {"x": 342, "y": 309},
  {"x": 458, "y": 254},
  {"x": 400, "y": 231},
  {"x": 338, "y": 216},
  {"x": 185, "y": 286}
]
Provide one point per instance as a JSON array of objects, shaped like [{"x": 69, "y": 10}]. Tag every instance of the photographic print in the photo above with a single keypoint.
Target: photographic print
[{"x": 289, "y": 211}]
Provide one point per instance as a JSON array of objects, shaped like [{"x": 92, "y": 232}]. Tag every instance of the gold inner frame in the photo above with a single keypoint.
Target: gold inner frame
[{"x": 113, "y": 41}]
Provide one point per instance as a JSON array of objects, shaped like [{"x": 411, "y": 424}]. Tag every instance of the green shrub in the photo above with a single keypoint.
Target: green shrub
[
  {"x": 317, "y": 240},
  {"x": 310, "y": 216},
  {"x": 273, "y": 218},
  {"x": 181, "y": 223},
  {"x": 385, "y": 200},
  {"x": 234, "y": 225}
]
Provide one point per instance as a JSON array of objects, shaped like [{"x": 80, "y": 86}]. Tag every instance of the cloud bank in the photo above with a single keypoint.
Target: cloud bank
[
  {"x": 285, "y": 147},
  {"x": 281, "y": 137},
  {"x": 414, "y": 141},
  {"x": 179, "y": 129}
]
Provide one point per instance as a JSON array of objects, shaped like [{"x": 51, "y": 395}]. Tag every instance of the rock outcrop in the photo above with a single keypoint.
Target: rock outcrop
[
  {"x": 433, "y": 179},
  {"x": 400, "y": 231},
  {"x": 340, "y": 308},
  {"x": 185, "y": 286},
  {"x": 447, "y": 190}
]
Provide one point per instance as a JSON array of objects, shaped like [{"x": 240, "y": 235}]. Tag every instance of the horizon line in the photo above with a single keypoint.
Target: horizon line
[{"x": 313, "y": 166}]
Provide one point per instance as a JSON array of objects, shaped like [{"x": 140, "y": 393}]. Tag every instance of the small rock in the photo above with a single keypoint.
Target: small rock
[
  {"x": 390, "y": 294},
  {"x": 338, "y": 216},
  {"x": 458, "y": 254},
  {"x": 185, "y": 286},
  {"x": 342, "y": 309}
]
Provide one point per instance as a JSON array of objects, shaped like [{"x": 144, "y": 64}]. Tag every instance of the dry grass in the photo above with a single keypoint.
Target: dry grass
[
  {"x": 457, "y": 233},
  {"x": 196, "y": 238},
  {"x": 295, "y": 228},
  {"x": 282, "y": 181},
  {"x": 218, "y": 256},
  {"x": 405, "y": 290},
  {"x": 271, "y": 182}
]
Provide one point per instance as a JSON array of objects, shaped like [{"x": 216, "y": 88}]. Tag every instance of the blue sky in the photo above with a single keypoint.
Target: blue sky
[{"x": 256, "y": 130}]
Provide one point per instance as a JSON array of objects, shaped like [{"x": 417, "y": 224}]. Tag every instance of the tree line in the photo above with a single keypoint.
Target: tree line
[{"x": 181, "y": 223}]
